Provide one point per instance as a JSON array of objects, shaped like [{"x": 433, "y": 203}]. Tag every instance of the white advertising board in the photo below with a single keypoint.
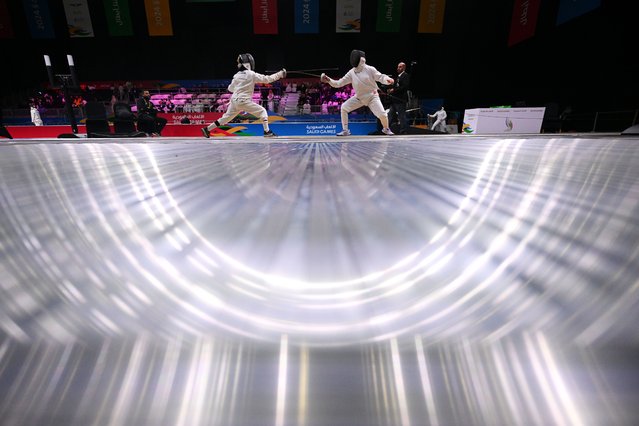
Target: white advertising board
[{"x": 503, "y": 120}]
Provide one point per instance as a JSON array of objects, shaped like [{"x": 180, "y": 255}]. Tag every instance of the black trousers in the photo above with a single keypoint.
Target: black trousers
[
  {"x": 151, "y": 124},
  {"x": 398, "y": 110}
]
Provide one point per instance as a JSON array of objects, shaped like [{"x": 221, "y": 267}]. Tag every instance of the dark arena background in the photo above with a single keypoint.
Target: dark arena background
[{"x": 481, "y": 273}]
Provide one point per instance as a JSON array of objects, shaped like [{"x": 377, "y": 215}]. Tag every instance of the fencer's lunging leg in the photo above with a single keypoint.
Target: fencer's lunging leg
[
  {"x": 344, "y": 115},
  {"x": 383, "y": 118},
  {"x": 376, "y": 107},
  {"x": 258, "y": 111},
  {"x": 229, "y": 115},
  {"x": 350, "y": 105}
]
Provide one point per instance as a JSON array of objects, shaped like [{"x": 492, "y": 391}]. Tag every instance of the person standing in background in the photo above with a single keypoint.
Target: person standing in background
[
  {"x": 440, "y": 120},
  {"x": 35, "y": 116},
  {"x": 399, "y": 97}
]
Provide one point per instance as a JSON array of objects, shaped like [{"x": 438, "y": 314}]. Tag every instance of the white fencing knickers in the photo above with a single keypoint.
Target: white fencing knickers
[
  {"x": 440, "y": 125},
  {"x": 244, "y": 104},
  {"x": 371, "y": 101}
]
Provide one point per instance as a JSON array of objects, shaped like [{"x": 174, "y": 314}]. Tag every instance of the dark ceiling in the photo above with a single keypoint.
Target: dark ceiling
[{"x": 590, "y": 61}]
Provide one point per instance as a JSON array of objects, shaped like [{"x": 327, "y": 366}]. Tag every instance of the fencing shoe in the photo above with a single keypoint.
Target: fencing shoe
[
  {"x": 387, "y": 131},
  {"x": 206, "y": 132},
  {"x": 269, "y": 134},
  {"x": 344, "y": 132}
]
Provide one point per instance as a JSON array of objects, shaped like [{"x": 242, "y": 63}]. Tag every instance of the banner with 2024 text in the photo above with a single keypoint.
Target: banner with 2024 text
[
  {"x": 431, "y": 16},
  {"x": 158, "y": 17},
  {"x": 306, "y": 16},
  {"x": 39, "y": 19}
]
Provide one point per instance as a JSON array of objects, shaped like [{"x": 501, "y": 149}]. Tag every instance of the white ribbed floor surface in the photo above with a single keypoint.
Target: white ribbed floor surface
[{"x": 444, "y": 280}]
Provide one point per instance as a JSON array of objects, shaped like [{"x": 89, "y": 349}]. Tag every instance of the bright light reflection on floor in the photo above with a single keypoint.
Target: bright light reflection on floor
[{"x": 359, "y": 281}]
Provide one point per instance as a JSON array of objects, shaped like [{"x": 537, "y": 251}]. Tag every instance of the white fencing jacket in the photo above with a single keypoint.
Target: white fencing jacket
[
  {"x": 364, "y": 79},
  {"x": 244, "y": 81}
]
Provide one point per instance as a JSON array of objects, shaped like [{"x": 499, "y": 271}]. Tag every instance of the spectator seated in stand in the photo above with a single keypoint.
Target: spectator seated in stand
[
  {"x": 306, "y": 108},
  {"x": 170, "y": 106},
  {"x": 148, "y": 120}
]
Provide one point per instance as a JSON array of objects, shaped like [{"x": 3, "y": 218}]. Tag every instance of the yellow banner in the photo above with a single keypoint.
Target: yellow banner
[
  {"x": 431, "y": 16},
  {"x": 158, "y": 17}
]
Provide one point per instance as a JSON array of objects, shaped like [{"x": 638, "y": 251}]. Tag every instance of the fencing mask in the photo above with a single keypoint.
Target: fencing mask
[
  {"x": 246, "y": 59},
  {"x": 356, "y": 55}
]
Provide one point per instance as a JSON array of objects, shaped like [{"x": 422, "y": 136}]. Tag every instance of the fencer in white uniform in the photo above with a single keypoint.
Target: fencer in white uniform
[
  {"x": 242, "y": 86},
  {"x": 440, "y": 120},
  {"x": 363, "y": 77},
  {"x": 35, "y": 116}
]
